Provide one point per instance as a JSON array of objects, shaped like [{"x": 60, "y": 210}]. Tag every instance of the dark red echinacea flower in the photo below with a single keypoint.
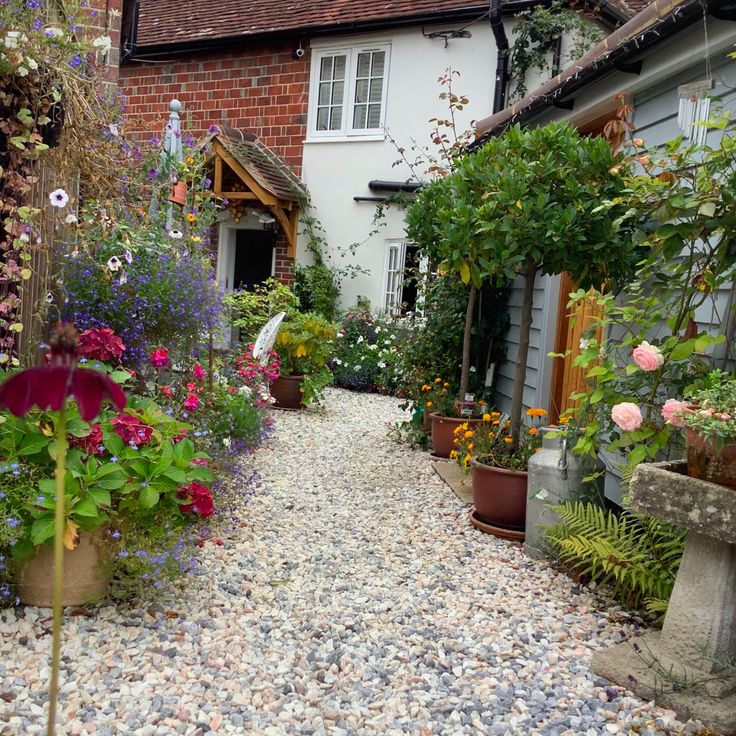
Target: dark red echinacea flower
[{"x": 49, "y": 387}]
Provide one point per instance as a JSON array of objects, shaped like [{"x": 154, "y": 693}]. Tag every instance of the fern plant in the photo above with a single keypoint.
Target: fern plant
[{"x": 636, "y": 555}]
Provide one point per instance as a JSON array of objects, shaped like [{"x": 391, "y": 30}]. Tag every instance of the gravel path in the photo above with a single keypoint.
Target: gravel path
[{"x": 353, "y": 598}]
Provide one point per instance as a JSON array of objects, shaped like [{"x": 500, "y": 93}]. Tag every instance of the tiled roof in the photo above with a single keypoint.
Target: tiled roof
[
  {"x": 165, "y": 22},
  {"x": 265, "y": 166}
]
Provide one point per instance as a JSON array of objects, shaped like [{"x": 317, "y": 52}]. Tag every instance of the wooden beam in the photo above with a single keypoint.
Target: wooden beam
[
  {"x": 266, "y": 197},
  {"x": 238, "y": 195},
  {"x": 218, "y": 174}
]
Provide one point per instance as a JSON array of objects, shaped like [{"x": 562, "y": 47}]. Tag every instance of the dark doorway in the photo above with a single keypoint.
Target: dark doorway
[
  {"x": 253, "y": 258},
  {"x": 410, "y": 289}
]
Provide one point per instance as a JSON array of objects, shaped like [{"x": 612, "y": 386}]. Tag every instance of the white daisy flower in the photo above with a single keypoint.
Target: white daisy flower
[
  {"x": 58, "y": 198},
  {"x": 114, "y": 264}
]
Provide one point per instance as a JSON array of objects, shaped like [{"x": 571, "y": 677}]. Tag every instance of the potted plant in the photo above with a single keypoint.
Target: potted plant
[
  {"x": 304, "y": 346},
  {"x": 709, "y": 421},
  {"x": 498, "y": 468},
  {"x": 446, "y": 413}
]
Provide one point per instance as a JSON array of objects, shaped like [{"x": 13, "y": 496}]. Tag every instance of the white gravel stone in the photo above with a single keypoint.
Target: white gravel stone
[{"x": 352, "y": 596}]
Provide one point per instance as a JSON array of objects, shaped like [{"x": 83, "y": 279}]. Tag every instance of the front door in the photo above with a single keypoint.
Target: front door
[{"x": 254, "y": 250}]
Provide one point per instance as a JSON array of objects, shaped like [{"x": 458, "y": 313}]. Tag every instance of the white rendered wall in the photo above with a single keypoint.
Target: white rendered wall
[{"x": 337, "y": 170}]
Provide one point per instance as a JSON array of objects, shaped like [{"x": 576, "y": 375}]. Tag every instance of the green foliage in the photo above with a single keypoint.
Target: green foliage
[
  {"x": 317, "y": 286},
  {"x": 538, "y": 32},
  {"x": 715, "y": 416},
  {"x": 637, "y": 555},
  {"x": 304, "y": 344},
  {"x": 250, "y": 310},
  {"x": 367, "y": 354}
]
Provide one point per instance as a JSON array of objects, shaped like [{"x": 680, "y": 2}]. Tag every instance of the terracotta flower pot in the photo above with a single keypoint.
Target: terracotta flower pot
[
  {"x": 443, "y": 432},
  {"x": 706, "y": 462},
  {"x": 86, "y": 574},
  {"x": 499, "y": 495},
  {"x": 287, "y": 390}
]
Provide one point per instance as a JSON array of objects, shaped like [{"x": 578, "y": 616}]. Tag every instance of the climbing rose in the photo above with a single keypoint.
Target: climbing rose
[
  {"x": 672, "y": 412},
  {"x": 647, "y": 357},
  {"x": 200, "y": 497},
  {"x": 627, "y": 416},
  {"x": 160, "y": 358},
  {"x": 100, "y": 344}
]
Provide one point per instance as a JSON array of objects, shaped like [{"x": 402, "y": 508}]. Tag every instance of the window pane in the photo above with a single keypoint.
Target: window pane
[
  {"x": 376, "y": 89},
  {"x": 336, "y": 118},
  {"x": 325, "y": 68},
  {"x": 339, "y": 72},
  {"x": 322, "y": 117},
  {"x": 361, "y": 90},
  {"x": 338, "y": 89},
  {"x": 359, "y": 116},
  {"x": 324, "y": 93},
  {"x": 379, "y": 60},
  {"x": 364, "y": 64},
  {"x": 374, "y": 116}
]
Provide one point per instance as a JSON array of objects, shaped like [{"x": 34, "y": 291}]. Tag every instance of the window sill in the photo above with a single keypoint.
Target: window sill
[{"x": 347, "y": 138}]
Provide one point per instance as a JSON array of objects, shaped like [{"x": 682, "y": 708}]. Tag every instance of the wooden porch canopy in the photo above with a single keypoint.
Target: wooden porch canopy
[{"x": 248, "y": 172}]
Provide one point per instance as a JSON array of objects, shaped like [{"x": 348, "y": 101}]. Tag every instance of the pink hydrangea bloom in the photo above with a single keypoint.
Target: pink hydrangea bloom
[
  {"x": 627, "y": 416},
  {"x": 672, "y": 412},
  {"x": 647, "y": 357}
]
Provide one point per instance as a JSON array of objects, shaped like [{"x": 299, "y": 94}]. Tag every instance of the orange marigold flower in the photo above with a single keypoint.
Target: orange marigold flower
[
  {"x": 468, "y": 435},
  {"x": 563, "y": 420},
  {"x": 446, "y": 385},
  {"x": 191, "y": 217},
  {"x": 438, "y": 380},
  {"x": 426, "y": 387},
  {"x": 496, "y": 423},
  {"x": 495, "y": 414},
  {"x": 458, "y": 429},
  {"x": 533, "y": 431},
  {"x": 429, "y": 405},
  {"x": 507, "y": 440},
  {"x": 486, "y": 417}
]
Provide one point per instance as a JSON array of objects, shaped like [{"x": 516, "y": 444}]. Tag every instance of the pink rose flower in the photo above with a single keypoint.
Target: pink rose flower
[
  {"x": 627, "y": 416},
  {"x": 672, "y": 412},
  {"x": 199, "y": 372},
  {"x": 647, "y": 357}
]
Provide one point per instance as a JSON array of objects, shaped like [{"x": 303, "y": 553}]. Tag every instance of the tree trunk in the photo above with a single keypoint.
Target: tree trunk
[
  {"x": 465, "y": 371},
  {"x": 530, "y": 273}
]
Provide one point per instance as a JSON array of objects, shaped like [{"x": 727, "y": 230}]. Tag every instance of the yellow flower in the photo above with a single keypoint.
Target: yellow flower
[
  {"x": 495, "y": 414},
  {"x": 458, "y": 429},
  {"x": 507, "y": 440},
  {"x": 429, "y": 405},
  {"x": 453, "y": 455},
  {"x": 426, "y": 387},
  {"x": 470, "y": 446},
  {"x": 496, "y": 423},
  {"x": 438, "y": 380},
  {"x": 563, "y": 420},
  {"x": 536, "y": 412},
  {"x": 191, "y": 217},
  {"x": 196, "y": 239},
  {"x": 486, "y": 417},
  {"x": 468, "y": 435},
  {"x": 446, "y": 385},
  {"x": 466, "y": 461},
  {"x": 190, "y": 160}
]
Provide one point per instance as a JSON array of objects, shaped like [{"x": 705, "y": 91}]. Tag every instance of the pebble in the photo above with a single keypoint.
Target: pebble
[{"x": 350, "y": 596}]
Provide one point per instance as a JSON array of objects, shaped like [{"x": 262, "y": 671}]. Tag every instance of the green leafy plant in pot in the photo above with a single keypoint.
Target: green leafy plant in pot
[{"x": 304, "y": 345}]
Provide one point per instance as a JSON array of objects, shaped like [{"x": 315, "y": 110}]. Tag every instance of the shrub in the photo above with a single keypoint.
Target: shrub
[
  {"x": 165, "y": 297},
  {"x": 250, "y": 310}
]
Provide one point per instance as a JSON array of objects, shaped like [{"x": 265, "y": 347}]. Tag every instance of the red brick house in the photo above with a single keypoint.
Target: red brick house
[{"x": 319, "y": 84}]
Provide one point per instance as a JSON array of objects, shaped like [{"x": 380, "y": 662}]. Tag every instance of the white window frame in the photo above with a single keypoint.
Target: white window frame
[
  {"x": 346, "y": 130},
  {"x": 394, "y": 274}
]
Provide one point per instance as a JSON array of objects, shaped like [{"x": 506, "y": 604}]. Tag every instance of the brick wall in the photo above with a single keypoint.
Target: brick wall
[{"x": 260, "y": 88}]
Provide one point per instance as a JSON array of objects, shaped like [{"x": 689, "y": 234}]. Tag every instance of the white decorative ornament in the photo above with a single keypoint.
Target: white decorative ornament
[
  {"x": 267, "y": 337},
  {"x": 694, "y": 110}
]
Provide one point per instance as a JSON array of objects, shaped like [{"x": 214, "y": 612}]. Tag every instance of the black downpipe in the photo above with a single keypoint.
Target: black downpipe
[{"x": 502, "y": 57}]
